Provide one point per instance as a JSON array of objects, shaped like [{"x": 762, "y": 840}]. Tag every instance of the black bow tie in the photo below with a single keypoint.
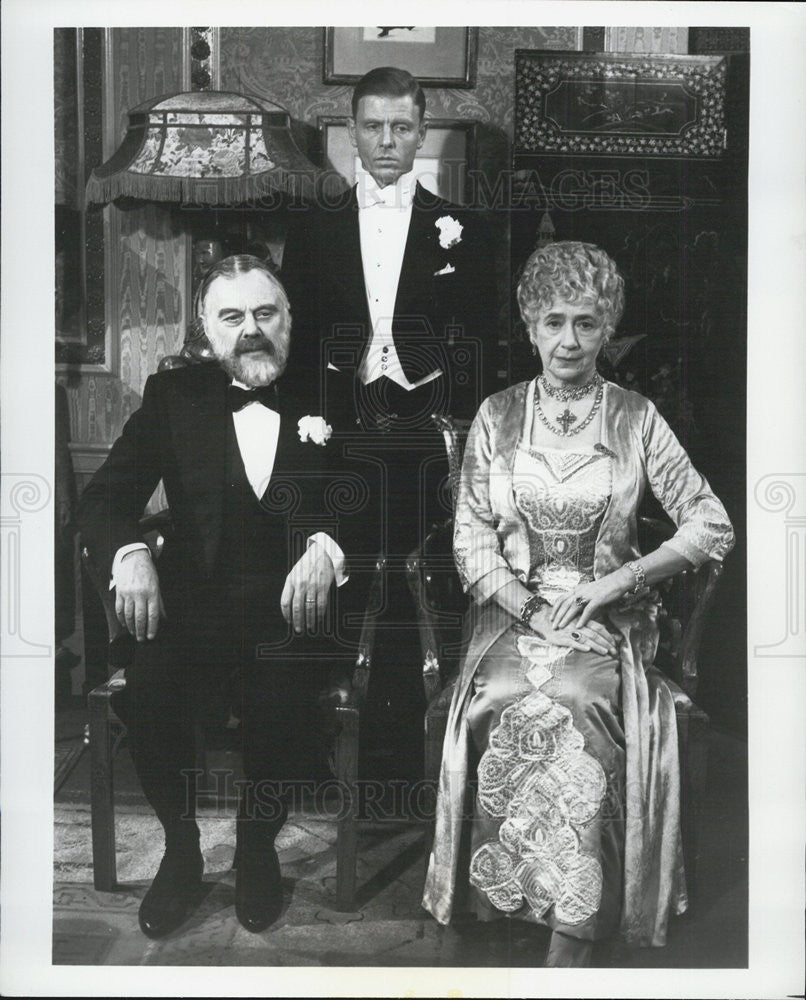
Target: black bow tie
[{"x": 238, "y": 398}]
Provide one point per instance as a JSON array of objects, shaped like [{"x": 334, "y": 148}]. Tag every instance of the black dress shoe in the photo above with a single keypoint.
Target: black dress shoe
[
  {"x": 258, "y": 889},
  {"x": 175, "y": 891}
]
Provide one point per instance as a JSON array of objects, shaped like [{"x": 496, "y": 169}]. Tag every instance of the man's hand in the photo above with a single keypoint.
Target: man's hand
[
  {"x": 138, "y": 604},
  {"x": 305, "y": 594}
]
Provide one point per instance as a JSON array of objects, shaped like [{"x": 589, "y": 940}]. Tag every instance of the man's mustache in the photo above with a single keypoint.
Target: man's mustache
[{"x": 254, "y": 346}]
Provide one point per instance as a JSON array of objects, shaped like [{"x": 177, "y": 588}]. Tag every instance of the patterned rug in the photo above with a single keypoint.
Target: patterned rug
[{"x": 101, "y": 928}]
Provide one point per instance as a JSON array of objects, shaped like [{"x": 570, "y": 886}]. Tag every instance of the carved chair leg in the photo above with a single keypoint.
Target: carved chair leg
[
  {"x": 346, "y": 837},
  {"x": 102, "y": 803}
]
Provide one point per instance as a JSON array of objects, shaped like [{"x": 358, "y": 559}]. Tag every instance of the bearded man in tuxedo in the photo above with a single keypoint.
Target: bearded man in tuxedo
[
  {"x": 394, "y": 302},
  {"x": 245, "y": 575}
]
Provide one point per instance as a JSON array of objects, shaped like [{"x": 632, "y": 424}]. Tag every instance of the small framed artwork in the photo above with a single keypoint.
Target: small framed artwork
[
  {"x": 438, "y": 57},
  {"x": 442, "y": 164}
]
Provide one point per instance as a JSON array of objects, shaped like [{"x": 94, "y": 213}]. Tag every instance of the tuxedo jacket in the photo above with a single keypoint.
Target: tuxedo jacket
[
  {"x": 444, "y": 315},
  {"x": 183, "y": 434}
]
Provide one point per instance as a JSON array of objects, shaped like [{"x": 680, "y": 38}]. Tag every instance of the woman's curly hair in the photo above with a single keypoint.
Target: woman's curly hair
[{"x": 571, "y": 271}]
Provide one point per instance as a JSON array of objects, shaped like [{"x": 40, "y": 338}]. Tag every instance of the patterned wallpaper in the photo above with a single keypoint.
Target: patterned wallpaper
[
  {"x": 285, "y": 66},
  {"x": 64, "y": 118},
  {"x": 671, "y": 40},
  {"x": 146, "y": 279}
]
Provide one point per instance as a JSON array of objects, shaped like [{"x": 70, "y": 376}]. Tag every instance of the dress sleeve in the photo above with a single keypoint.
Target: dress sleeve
[
  {"x": 476, "y": 545},
  {"x": 704, "y": 530}
]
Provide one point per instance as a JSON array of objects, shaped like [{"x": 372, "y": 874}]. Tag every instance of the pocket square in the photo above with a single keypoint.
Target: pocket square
[{"x": 448, "y": 269}]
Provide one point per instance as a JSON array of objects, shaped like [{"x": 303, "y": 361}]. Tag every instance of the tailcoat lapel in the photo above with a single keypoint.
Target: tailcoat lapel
[{"x": 414, "y": 290}]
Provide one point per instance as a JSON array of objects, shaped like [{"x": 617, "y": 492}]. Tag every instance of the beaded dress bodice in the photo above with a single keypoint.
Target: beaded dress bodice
[{"x": 562, "y": 497}]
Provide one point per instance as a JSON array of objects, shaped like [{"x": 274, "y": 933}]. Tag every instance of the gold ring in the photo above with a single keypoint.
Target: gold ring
[{"x": 580, "y": 601}]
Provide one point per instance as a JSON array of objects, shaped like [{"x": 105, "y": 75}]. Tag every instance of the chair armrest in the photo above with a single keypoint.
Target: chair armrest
[
  {"x": 359, "y": 682},
  {"x": 440, "y": 704},
  {"x": 454, "y": 434},
  {"x": 432, "y": 681},
  {"x": 115, "y": 684},
  {"x": 685, "y": 648},
  {"x": 434, "y": 585},
  {"x": 706, "y": 583}
]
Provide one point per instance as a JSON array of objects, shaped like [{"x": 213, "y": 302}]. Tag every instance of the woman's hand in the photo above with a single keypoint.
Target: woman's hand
[
  {"x": 593, "y": 637},
  {"x": 584, "y": 602}
]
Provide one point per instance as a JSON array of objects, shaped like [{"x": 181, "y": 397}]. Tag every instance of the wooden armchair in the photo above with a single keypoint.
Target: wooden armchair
[
  {"x": 686, "y": 598},
  {"x": 106, "y": 730}
]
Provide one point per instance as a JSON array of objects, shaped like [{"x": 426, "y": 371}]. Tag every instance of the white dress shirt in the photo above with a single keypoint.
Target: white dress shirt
[
  {"x": 257, "y": 430},
  {"x": 384, "y": 215}
]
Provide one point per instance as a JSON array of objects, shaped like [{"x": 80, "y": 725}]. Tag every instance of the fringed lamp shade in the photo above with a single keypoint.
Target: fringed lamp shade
[{"x": 208, "y": 147}]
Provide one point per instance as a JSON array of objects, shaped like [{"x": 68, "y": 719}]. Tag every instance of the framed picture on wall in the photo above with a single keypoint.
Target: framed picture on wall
[
  {"x": 438, "y": 57},
  {"x": 441, "y": 165}
]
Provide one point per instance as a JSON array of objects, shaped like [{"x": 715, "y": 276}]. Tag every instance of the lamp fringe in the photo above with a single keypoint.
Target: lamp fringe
[{"x": 217, "y": 191}]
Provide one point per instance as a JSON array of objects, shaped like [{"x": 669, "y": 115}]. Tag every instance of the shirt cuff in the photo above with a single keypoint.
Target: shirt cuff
[
  {"x": 124, "y": 550},
  {"x": 335, "y": 553}
]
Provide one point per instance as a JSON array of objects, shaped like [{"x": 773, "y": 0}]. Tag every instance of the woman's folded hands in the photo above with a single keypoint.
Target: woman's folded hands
[
  {"x": 588, "y": 601},
  {"x": 590, "y": 637}
]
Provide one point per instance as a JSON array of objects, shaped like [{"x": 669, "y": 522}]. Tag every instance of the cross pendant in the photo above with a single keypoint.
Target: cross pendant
[{"x": 565, "y": 420}]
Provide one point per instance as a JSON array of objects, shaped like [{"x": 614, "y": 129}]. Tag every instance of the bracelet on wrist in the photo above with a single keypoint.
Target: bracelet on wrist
[
  {"x": 533, "y": 603},
  {"x": 637, "y": 571}
]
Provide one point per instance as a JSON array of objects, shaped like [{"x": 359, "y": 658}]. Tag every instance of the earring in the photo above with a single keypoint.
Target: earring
[{"x": 534, "y": 351}]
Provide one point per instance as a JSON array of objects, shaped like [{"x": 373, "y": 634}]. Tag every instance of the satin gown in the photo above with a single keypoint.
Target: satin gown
[
  {"x": 548, "y": 819},
  {"x": 582, "y": 821}
]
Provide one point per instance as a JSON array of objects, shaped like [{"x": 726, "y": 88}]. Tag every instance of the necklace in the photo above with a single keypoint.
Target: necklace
[
  {"x": 567, "y": 418},
  {"x": 573, "y": 393}
]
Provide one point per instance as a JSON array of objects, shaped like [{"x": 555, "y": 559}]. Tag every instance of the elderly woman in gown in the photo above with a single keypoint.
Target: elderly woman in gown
[{"x": 559, "y": 796}]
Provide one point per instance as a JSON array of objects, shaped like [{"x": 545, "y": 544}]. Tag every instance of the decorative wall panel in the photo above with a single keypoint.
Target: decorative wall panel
[{"x": 611, "y": 104}]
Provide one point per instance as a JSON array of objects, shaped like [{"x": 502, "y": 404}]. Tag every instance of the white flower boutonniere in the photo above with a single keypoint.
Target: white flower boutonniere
[
  {"x": 450, "y": 231},
  {"x": 314, "y": 429}
]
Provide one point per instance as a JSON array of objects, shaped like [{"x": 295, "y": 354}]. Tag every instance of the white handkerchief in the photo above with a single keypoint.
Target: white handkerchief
[
  {"x": 538, "y": 675},
  {"x": 448, "y": 269},
  {"x": 539, "y": 653}
]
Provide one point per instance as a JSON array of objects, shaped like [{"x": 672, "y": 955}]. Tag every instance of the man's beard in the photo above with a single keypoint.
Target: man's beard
[{"x": 253, "y": 368}]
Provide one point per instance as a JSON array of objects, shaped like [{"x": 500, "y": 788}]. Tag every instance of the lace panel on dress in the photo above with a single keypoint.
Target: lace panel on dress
[{"x": 536, "y": 775}]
